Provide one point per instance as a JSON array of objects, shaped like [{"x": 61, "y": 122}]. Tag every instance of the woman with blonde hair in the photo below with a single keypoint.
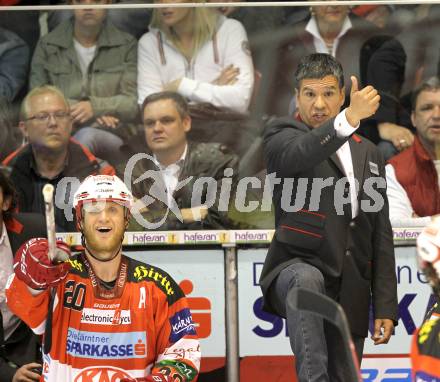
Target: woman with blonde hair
[{"x": 198, "y": 53}]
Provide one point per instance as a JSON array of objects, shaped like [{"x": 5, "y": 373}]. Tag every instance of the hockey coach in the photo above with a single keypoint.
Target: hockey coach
[{"x": 339, "y": 243}]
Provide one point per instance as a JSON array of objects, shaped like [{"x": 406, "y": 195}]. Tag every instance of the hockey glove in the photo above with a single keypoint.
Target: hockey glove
[{"x": 33, "y": 267}]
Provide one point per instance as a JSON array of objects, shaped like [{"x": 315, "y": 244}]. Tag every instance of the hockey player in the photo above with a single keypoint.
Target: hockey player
[
  {"x": 104, "y": 316},
  {"x": 425, "y": 352}
]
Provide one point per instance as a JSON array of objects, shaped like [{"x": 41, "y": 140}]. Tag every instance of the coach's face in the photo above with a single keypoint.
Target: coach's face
[{"x": 319, "y": 99}]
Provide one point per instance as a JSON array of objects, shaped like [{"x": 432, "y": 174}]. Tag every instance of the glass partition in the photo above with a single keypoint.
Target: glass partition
[{"x": 200, "y": 156}]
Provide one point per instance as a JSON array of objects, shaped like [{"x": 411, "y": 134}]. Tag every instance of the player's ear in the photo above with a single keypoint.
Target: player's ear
[{"x": 127, "y": 218}]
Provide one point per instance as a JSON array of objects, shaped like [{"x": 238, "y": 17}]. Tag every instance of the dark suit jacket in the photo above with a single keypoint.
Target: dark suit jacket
[
  {"x": 356, "y": 255},
  {"x": 22, "y": 346}
]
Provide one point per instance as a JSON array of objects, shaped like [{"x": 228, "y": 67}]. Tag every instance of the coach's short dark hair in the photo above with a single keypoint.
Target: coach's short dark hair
[
  {"x": 179, "y": 101},
  {"x": 8, "y": 189},
  {"x": 317, "y": 66},
  {"x": 432, "y": 84}
]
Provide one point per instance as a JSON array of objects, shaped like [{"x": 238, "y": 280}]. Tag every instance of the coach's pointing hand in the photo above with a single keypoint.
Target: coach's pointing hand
[{"x": 363, "y": 103}]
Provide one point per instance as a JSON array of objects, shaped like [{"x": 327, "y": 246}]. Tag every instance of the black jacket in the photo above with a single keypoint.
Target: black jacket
[
  {"x": 202, "y": 160},
  {"x": 355, "y": 255},
  {"x": 80, "y": 163}
]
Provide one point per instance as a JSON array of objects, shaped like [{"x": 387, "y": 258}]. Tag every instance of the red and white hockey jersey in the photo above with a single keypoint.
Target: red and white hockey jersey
[{"x": 142, "y": 327}]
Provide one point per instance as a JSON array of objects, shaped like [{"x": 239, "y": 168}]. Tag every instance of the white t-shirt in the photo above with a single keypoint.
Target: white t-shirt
[{"x": 85, "y": 56}]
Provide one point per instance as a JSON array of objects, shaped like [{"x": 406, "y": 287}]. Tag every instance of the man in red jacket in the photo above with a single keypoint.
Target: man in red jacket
[{"x": 412, "y": 176}]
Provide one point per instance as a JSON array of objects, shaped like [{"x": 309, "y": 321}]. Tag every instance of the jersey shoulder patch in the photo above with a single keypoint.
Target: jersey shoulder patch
[{"x": 143, "y": 272}]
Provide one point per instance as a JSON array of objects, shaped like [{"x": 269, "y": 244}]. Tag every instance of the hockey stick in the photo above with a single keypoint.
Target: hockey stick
[
  {"x": 48, "y": 190},
  {"x": 53, "y": 254},
  {"x": 331, "y": 311}
]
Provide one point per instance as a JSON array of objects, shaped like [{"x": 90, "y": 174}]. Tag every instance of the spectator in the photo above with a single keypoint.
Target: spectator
[
  {"x": 327, "y": 29},
  {"x": 166, "y": 123},
  {"x": 94, "y": 64},
  {"x": 14, "y": 64},
  {"x": 9, "y": 133},
  {"x": 205, "y": 57},
  {"x": 413, "y": 175},
  {"x": 378, "y": 14},
  {"x": 50, "y": 154},
  {"x": 19, "y": 347},
  {"x": 24, "y": 23},
  {"x": 131, "y": 20},
  {"x": 199, "y": 53},
  {"x": 398, "y": 67}
]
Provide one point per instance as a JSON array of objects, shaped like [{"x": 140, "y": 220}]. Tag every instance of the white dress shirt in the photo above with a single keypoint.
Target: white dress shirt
[
  {"x": 170, "y": 174},
  {"x": 10, "y": 322},
  {"x": 318, "y": 41},
  {"x": 343, "y": 130}
]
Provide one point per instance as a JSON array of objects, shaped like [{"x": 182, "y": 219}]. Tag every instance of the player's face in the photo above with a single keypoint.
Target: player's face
[
  {"x": 103, "y": 227},
  {"x": 48, "y": 124},
  {"x": 165, "y": 130},
  {"x": 173, "y": 17},
  {"x": 318, "y": 100},
  {"x": 426, "y": 117}
]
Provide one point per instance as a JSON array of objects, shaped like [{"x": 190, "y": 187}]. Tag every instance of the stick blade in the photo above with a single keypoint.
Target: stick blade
[{"x": 323, "y": 306}]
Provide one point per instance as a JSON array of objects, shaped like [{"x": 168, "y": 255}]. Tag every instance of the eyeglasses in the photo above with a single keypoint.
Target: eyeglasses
[{"x": 61, "y": 116}]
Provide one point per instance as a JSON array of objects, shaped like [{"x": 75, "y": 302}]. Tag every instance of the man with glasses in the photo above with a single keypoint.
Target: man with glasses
[{"x": 50, "y": 155}]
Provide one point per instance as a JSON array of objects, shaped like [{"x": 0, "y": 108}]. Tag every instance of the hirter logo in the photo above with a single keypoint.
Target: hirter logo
[{"x": 102, "y": 374}]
